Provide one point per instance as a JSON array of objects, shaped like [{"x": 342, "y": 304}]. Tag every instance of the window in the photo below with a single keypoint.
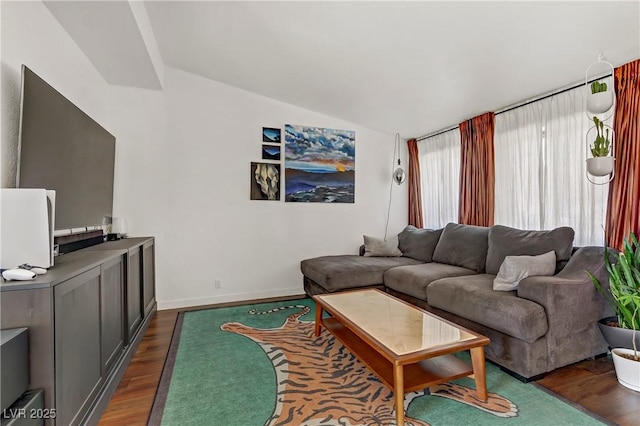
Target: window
[
  {"x": 540, "y": 152},
  {"x": 440, "y": 173}
]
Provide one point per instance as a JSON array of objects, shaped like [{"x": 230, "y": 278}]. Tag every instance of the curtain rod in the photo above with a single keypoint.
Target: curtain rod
[{"x": 520, "y": 104}]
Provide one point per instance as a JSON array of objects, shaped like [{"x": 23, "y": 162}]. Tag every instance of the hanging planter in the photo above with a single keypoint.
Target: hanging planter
[
  {"x": 601, "y": 162},
  {"x": 600, "y": 100},
  {"x": 599, "y": 103},
  {"x": 600, "y": 97},
  {"x": 600, "y": 166}
]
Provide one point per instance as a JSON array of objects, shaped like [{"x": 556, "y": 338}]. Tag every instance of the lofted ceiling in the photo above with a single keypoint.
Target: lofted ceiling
[{"x": 408, "y": 67}]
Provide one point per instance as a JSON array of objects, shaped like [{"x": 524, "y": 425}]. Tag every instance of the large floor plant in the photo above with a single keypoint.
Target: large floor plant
[{"x": 624, "y": 286}]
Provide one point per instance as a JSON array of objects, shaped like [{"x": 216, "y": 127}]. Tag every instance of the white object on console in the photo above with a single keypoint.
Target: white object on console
[
  {"x": 18, "y": 275},
  {"x": 27, "y": 218},
  {"x": 119, "y": 226}
]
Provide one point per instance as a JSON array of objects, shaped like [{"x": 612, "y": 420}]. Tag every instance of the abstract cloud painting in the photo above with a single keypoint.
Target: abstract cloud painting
[{"x": 319, "y": 165}]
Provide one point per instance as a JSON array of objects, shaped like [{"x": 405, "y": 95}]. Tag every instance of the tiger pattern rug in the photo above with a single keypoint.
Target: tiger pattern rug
[{"x": 319, "y": 381}]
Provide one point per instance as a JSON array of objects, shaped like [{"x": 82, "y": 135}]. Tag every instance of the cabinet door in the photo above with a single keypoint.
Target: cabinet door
[
  {"x": 148, "y": 277},
  {"x": 77, "y": 346},
  {"x": 111, "y": 313},
  {"x": 134, "y": 291}
]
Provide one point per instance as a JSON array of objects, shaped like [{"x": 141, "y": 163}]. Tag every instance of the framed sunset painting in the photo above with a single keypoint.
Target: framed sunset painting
[{"x": 319, "y": 165}]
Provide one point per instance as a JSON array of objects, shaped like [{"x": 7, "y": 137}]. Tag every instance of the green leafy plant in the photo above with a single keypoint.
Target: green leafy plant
[
  {"x": 624, "y": 286},
  {"x": 597, "y": 87},
  {"x": 601, "y": 144}
]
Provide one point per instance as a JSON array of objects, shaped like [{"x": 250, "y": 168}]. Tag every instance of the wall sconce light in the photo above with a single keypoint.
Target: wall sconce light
[{"x": 399, "y": 175}]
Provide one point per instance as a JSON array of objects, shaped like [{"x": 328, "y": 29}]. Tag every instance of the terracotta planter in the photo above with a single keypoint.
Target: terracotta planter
[
  {"x": 600, "y": 102},
  {"x": 600, "y": 166},
  {"x": 617, "y": 337},
  {"x": 627, "y": 370}
]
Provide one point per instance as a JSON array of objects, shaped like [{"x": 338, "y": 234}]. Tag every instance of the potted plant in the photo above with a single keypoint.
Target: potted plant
[
  {"x": 601, "y": 164},
  {"x": 624, "y": 298},
  {"x": 600, "y": 99}
]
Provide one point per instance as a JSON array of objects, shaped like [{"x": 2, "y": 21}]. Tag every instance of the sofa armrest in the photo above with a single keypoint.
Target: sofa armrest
[
  {"x": 570, "y": 298},
  {"x": 573, "y": 306},
  {"x": 588, "y": 259}
]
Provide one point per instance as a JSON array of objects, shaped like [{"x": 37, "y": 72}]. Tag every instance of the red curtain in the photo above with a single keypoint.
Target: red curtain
[
  {"x": 623, "y": 208},
  {"x": 415, "y": 189},
  {"x": 477, "y": 171}
]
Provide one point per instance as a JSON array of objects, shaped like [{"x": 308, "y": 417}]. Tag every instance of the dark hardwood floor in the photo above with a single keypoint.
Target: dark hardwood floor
[
  {"x": 591, "y": 384},
  {"x": 132, "y": 400}
]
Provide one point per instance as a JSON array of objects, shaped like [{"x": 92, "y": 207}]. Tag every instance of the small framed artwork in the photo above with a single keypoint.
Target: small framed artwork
[
  {"x": 270, "y": 135},
  {"x": 265, "y": 181},
  {"x": 271, "y": 152}
]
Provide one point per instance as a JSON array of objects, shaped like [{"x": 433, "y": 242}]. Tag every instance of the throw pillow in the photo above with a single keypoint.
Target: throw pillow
[
  {"x": 418, "y": 244},
  {"x": 516, "y": 268},
  {"x": 505, "y": 241},
  {"x": 381, "y": 248},
  {"x": 463, "y": 245}
]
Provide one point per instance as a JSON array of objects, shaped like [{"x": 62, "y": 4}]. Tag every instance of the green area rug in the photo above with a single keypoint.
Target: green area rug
[{"x": 262, "y": 365}]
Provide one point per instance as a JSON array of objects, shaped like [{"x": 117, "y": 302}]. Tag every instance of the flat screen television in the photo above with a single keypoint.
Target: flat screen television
[{"x": 63, "y": 149}]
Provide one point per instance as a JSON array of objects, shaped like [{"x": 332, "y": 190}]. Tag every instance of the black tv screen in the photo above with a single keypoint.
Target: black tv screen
[{"x": 62, "y": 148}]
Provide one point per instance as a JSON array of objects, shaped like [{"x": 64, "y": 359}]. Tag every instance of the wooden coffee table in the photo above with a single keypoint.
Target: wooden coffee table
[{"x": 408, "y": 348}]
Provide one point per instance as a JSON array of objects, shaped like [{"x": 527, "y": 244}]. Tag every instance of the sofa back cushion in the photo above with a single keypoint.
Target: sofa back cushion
[
  {"x": 417, "y": 243},
  {"x": 463, "y": 245},
  {"x": 505, "y": 241}
]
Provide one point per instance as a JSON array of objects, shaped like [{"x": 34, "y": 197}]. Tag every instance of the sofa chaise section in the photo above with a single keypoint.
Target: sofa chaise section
[{"x": 335, "y": 273}]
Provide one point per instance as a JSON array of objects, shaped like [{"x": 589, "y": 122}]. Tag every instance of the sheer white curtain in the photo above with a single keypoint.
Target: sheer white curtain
[
  {"x": 518, "y": 153},
  {"x": 440, "y": 174},
  {"x": 540, "y": 152},
  {"x": 572, "y": 200}
]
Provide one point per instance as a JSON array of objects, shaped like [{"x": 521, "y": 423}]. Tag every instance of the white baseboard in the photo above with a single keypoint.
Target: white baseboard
[{"x": 237, "y": 297}]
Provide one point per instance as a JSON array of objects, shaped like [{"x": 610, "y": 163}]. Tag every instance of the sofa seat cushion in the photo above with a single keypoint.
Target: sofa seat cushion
[
  {"x": 335, "y": 273},
  {"x": 472, "y": 297},
  {"x": 414, "y": 279}
]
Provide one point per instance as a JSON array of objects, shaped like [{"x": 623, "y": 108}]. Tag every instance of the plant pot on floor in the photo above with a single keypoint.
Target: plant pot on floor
[
  {"x": 600, "y": 166},
  {"x": 617, "y": 337},
  {"x": 627, "y": 370}
]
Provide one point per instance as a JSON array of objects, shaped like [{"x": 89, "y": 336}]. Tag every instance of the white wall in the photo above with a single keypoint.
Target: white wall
[
  {"x": 31, "y": 36},
  {"x": 214, "y": 232},
  {"x": 183, "y": 170}
]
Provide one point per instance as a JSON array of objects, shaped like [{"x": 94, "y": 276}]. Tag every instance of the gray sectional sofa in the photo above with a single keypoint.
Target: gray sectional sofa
[{"x": 545, "y": 322}]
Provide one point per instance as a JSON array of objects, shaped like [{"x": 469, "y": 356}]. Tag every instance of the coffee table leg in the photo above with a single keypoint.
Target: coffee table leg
[
  {"x": 479, "y": 372},
  {"x": 398, "y": 391},
  {"x": 318, "y": 319}
]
